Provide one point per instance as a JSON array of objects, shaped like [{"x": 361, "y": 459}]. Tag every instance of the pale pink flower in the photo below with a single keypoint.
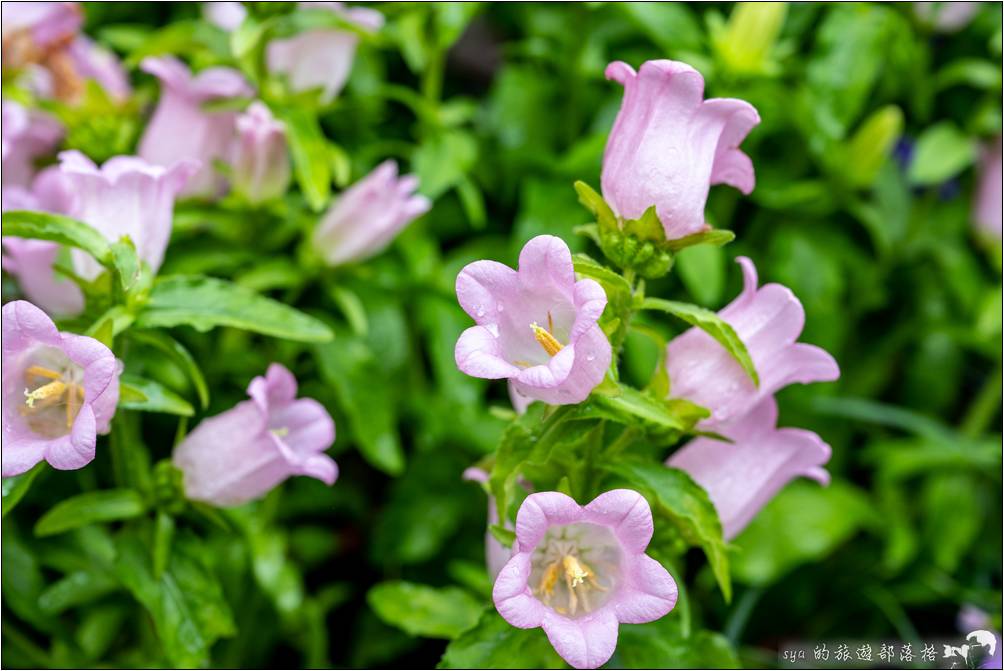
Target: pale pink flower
[
  {"x": 579, "y": 571},
  {"x": 59, "y": 392},
  {"x": 536, "y": 326},
  {"x": 261, "y": 163},
  {"x": 496, "y": 554},
  {"x": 668, "y": 146},
  {"x": 224, "y": 15},
  {"x": 988, "y": 210},
  {"x": 27, "y": 136}
]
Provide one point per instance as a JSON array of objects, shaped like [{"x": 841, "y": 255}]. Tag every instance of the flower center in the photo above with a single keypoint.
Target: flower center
[
  {"x": 574, "y": 568},
  {"x": 53, "y": 396},
  {"x": 544, "y": 337}
]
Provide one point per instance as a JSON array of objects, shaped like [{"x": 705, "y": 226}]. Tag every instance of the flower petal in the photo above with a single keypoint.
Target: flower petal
[
  {"x": 478, "y": 354},
  {"x": 627, "y": 513},
  {"x": 482, "y": 285},
  {"x": 539, "y": 511},
  {"x": 650, "y": 593},
  {"x": 585, "y": 643}
]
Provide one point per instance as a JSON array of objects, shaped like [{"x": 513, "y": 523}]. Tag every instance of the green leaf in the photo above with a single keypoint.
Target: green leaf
[
  {"x": 205, "y": 303},
  {"x": 710, "y": 323},
  {"x": 137, "y": 393},
  {"x": 702, "y": 271},
  {"x": 57, "y": 228},
  {"x": 311, "y": 155},
  {"x": 663, "y": 645},
  {"x": 631, "y": 407},
  {"x": 125, "y": 261},
  {"x": 444, "y": 160},
  {"x": 495, "y": 644},
  {"x": 942, "y": 152},
  {"x": 420, "y": 610},
  {"x": 175, "y": 351},
  {"x": 803, "y": 524},
  {"x": 14, "y": 488},
  {"x": 715, "y": 237},
  {"x": 75, "y": 589},
  {"x": 594, "y": 202},
  {"x": 88, "y": 508},
  {"x": 680, "y": 501}
]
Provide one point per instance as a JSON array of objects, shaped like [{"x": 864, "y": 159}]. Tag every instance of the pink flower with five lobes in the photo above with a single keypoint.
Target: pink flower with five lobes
[
  {"x": 60, "y": 391},
  {"x": 988, "y": 209},
  {"x": 243, "y": 453},
  {"x": 536, "y": 326},
  {"x": 743, "y": 476},
  {"x": 321, "y": 58},
  {"x": 768, "y": 320},
  {"x": 368, "y": 215},
  {"x": 261, "y": 166},
  {"x": 668, "y": 146},
  {"x": 125, "y": 196},
  {"x": 579, "y": 571},
  {"x": 181, "y": 129},
  {"x": 31, "y": 261}
]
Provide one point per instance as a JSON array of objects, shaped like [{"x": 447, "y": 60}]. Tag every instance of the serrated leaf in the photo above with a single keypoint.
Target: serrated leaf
[
  {"x": 420, "y": 610},
  {"x": 631, "y": 407},
  {"x": 138, "y": 393},
  {"x": 101, "y": 506},
  {"x": 713, "y": 325},
  {"x": 57, "y": 228},
  {"x": 495, "y": 644},
  {"x": 205, "y": 303},
  {"x": 714, "y": 236},
  {"x": 680, "y": 501}
]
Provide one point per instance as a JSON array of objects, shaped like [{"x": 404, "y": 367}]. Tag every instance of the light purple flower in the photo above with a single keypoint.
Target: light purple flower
[
  {"x": 31, "y": 261},
  {"x": 59, "y": 391},
  {"x": 125, "y": 196},
  {"x": 181, "y": 129},
  {"x": 241, "y": 454},
  {"x": 742, "y": 476},
  {"x": 496, "y": 554},
  {"x": 321, "y": 58},
  {"x": 579, "y": 571},
  {"x": 768, "y": 320},
  {"x": 261, "y": 160},
  {"x": 225, "y": 15},
  {"x": 92, "y": 61},
  {"x": 669, "y": 145},
  {"x": 946, "y": 17},
  {"x": 367, "y": 217},
  {"x": 989, "y": 205},
  {"x": 27, "y": 135},
  {"x": 536, "y": 326},
  {"x": 45, "y": 24}
]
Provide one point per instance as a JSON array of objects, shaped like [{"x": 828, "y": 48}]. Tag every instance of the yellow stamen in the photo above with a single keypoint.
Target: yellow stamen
[
  {"x": 54, "y": 390},
  {"x": 546, "y": 340},
  {"x": 548, "y": 581},
  {"x": 71, "y": 402},
  {"x": 575, "y": 571},
  {"x": 41, "y": 371}
]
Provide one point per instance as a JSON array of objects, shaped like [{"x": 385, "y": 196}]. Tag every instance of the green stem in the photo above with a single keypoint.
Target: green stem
[
  {"x": 627, "y": 436},
  {"x": 984, "y": 407}
]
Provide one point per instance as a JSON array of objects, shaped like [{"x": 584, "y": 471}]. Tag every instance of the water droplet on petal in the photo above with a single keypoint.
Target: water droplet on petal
[
  {"x": 501, "y": 307},
  {"x": 590, "y": 357}
]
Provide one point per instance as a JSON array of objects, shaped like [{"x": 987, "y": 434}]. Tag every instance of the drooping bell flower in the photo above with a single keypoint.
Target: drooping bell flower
[
  {"x": 125, "y": 196},
  {"x": 496, "y": 554},
  {"x": 261, "y": 166},
  {"x": 768, "y": 320},
  {"x": 92, "y": 61},
  {"x": 27, "y": 136},
  {"x": 243, "y": 453},
  {"x": 668, "y": 146},
  {"x": 321, "y": 58},
  {"x": 536, "y": 326},
  {"x": 31, "y": 261},
  {"x": 368, "y": 216},
  {"x": 989, "y": 206},
  {"x": 59, "y": 392},
  {"x": 743, "y": 476},
  {"x": 181, "y": 129},
  {"x": 579, "y": 571}
]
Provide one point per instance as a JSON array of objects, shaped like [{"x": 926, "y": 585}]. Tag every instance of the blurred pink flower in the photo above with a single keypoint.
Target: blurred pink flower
[
  {"x": 44, "y": 23},
  {"x": 536, "y": 326},
  {"x": 59, "y": 391},
  {"x": 668, "y": 145},
  {"x": 496, "y": 554},
  {"x": 27, "y": 136},
  {"x": 579, "y": 571},
  {"x": 321, "y": 58},
  {"x": 743, "y": 476},
  {"x": 181, "y": 129},
  {"x": 368, "y": 215},
  {"x": 989, "y": 205},
  {"x": 947, "y": 17},
  {"x": 768, "y": 320},
  {"x": 31, "y": 261},
  {"x": 125, "y": 196},
  {"x": 243, "y": 453},
  {"x": 261, "y": 164},
  {"x": 225, "y": 15},
  {"x": 92, "y": 61}
]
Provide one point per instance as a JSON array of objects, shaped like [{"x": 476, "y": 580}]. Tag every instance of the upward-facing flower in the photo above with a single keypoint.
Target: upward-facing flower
[
  {"x": 536, "y": 326},
  {"x": 365, "y": 219},
  {"x": 989, "y": 206},
  {"x": 241, "y": 454},
  {"x": 261, "y": 160},
  {"x": 321, "y": 58},
  {"x": 579, "y": 571},
  {"x": 59, "y": 391},
  {"x": 768, "y": 320},
  {"x": 181, "y": 129},
  {"x": 743, "y": 476},
  {"x": 27, "y": 136},
  {"x": 669, "y": 145},
  {"x": 31, "y": 261},
  {"x": 125, "y": 196}
]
